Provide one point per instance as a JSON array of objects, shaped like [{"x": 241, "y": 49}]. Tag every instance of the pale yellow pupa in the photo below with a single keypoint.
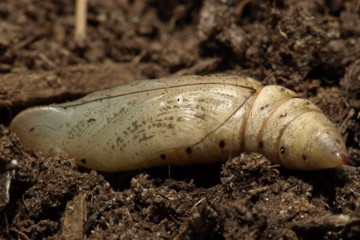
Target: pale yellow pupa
[{"x": 183, "y": 121}]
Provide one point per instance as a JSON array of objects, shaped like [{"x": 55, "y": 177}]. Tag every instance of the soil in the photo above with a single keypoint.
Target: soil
[{"x": 312, "y": 47}]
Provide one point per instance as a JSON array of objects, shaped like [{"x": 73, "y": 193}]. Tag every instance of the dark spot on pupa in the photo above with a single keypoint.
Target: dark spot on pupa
[
  {"x": 263, "y": 107},
  {"x": 180, "y": 119},
  {"x": 31, "y": 129},
  {"x": 222, "y": 144},
  {"x": 260, "y": 144},
  {"x": 178, "y": 99},
  {"x": 83, "y": 161},
  {"x": 91, "y": 120},
  {"x": 337, "y": 141},
  {"x": 119, "y": 140},
  {"x": 304, "y": 157},
  {"x": 163, "y": 156},
  {"x": 189, "y": 150},
  {"x": 283, "y": 115},
  {"x": 282, "y": 149}
]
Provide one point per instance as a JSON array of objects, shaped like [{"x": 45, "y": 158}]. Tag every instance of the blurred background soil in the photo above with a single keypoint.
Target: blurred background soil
[{"x": 312, "y": 47}]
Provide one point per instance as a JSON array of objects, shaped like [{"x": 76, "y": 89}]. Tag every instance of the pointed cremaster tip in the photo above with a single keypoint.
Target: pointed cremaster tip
[{"x": 346, "y": 159}]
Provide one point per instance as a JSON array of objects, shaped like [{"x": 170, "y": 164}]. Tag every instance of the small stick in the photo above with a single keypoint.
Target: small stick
[{"x": 80, "y": 21}]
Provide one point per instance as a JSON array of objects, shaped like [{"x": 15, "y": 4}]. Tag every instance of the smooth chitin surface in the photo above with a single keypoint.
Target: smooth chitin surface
[{"x": 183, "y": 121}]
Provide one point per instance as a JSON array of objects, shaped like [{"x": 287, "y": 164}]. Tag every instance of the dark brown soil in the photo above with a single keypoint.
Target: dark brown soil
[{"x": 312, "y": 47}]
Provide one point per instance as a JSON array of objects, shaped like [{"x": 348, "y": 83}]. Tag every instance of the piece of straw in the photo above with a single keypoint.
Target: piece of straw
[{"x": 80, "y": 21}]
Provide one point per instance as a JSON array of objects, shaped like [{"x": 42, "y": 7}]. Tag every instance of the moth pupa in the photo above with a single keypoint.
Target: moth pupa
[{"x": 183, "y": 121}]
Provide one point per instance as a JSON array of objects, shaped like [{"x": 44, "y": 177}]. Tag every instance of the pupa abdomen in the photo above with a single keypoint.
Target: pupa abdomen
[{"x": 182, "y": 121}]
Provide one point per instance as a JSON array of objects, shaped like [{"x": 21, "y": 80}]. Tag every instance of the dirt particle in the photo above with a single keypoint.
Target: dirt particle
[{"x": 163, "y": 156}]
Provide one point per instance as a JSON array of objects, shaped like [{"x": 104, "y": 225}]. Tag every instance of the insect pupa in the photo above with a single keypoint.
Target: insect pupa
[{"x": 183, "y": 121}]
